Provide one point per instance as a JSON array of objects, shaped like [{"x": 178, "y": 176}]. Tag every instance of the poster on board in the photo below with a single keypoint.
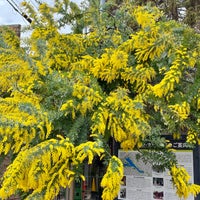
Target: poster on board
[{"x": 140, "y": 181}]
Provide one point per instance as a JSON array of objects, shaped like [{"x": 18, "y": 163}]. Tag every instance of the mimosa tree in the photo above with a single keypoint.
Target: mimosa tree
[{"x": 130, "y": 77}]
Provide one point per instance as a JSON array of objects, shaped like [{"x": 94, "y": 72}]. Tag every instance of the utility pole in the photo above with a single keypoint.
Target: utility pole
[{"x": 17, "y": 9}]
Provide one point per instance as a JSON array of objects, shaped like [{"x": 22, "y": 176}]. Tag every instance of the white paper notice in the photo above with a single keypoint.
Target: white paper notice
[{"x": 141, "y": 182}]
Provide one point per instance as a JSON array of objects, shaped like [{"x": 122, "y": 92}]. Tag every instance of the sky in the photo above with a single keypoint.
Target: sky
[{"x": 9, "y": 16}]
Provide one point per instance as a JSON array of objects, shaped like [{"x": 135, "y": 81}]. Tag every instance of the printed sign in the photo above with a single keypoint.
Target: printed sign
[{"x": 140, "y": 181}]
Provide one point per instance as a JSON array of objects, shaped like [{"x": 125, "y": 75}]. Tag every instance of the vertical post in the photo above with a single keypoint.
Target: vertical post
[
  {"x": 69, "y": 193},
  {"x": 196, "y": 159}
]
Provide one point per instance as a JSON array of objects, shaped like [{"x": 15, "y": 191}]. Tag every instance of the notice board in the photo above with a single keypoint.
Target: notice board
[{"x": 142, "y": 182}]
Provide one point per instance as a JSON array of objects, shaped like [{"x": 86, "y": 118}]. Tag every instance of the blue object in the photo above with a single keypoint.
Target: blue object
[{"x": 129, "y": 163}]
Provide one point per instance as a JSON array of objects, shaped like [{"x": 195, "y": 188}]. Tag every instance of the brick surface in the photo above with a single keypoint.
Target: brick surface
[{"x": 16, "y": 28}]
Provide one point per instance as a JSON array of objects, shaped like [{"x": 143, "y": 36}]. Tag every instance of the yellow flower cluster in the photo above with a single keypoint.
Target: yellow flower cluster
[
  {"x": 87, "y": 98},
  {"x": 85, "y": 64},
  {"x": 20, "y": 125},
  {"x": 180, "y": 179},
  {"x": 173, "y": 75},
  {"x": 109, "y": 66},
  {"x": 182, "y": 110},
  {"x": 198, "y": 103},
  {"x": 15, "y": 138},
  {"x": 100, "y": 121},
  {"x": 63, "y": 50},
  {"x": 145, "y": 17},
  {"x": 15, "y": 75},
  {"x": 55, "y": 50},
  {"x": 117, "y": 38},
  {"x": 140, "y": 76},
  {"x": 192, "y": 137},
  {"x": 113, "y": 65},
  {"x": 88, "y": 150},
  {"x": 91, "y": 39},
  {"x": 43, "y": 168},
  {"x": 176, "y": 135},
  {"x": 123, "y": 117},
  {"x": 69, "y": 107},
  {"x": 112, "y": 179},
  {"x": 10, "y": 38},
  {"x": 145, "y": 41}
]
